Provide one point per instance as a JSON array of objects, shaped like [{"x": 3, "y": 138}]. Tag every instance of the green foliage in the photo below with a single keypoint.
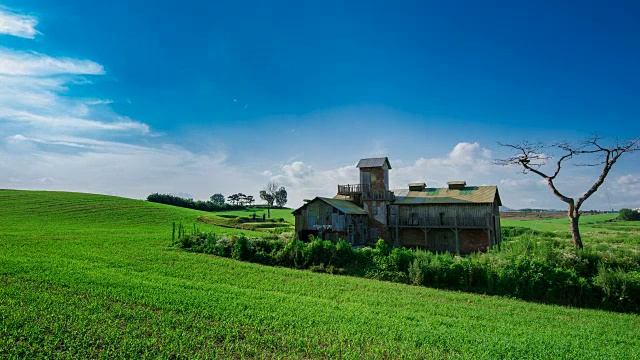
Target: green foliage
[
  {"x": 620, "y": 289},
  {"x": 383, "y": 248},
  {"x": 241, "y": 249},
  {"x": 191, "y": 204},
  {"x": 217, "y": 199},
  {"x": 628, "y": 215},
  {"x": 281, "y": 197}
]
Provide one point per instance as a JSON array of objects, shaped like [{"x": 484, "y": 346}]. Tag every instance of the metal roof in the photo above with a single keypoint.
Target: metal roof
[
  {"x": 344, "y": 206},
  {"x": 373, "y": 162},
  {"x": 467, "y": 194}
]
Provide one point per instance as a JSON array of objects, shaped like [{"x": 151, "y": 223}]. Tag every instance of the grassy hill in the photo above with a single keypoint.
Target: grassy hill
[{"x": 90, "y": 276}]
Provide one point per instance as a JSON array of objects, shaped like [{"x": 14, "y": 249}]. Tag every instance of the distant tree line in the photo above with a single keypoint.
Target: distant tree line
[
  {"x": 273, "y": 193},
  {"x": 556, "y": 210},
  {"x": 197, "y": 205}
]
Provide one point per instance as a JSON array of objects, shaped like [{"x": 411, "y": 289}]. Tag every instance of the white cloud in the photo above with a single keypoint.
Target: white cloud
[
  {"x": 522, "y": 182},
  {"x": 629, "y": 180},
  {"x": 34, "y": 99},
  {"x": 629, "y": 185},
  {"x": 296, "y": 171},
  {"x": 89, "y": 165},
  {"x": 466, "y": 161},
  {"x": 34, "y": 64},
  {"x": 18, "y": 25},
  {"x": 72, "y": 123},
  {"x": 52, "y": 140}
]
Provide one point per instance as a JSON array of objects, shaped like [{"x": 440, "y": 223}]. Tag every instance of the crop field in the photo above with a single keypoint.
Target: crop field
[
  {"x": 92, "y": 276},
  {"x": 595, "y": 229}
]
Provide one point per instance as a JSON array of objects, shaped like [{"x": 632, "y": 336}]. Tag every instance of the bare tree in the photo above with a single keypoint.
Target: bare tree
[
  {"x": 532, "y": 156},
  {"x": 269, "y": 194}
]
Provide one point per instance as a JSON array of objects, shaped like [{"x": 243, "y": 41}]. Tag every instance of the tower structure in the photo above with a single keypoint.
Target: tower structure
[{"x": 372, "y": 193}]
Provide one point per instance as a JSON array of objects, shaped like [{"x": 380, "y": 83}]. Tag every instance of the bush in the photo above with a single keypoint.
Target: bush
[
  {"x": 241, "y": 249},
  {"x": 628, "y": 215},
  {"x": 382, "y": 248},
  {"x": 293, "y": 254},
  {"x": 620, "y": 289}
]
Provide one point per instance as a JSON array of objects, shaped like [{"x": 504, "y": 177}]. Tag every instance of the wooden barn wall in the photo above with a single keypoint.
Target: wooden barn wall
[
  {"x": 437, "y": 240},
  {"x": 452, "y": 215},
  {"x": 351, "y": 228},
  {"x": 442, "y": 240}
]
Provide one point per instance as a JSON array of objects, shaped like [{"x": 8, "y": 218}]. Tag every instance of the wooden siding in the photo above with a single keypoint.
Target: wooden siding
[
  {"x": 456, "y": 228},
  {"x": 444, "y": 215},
  {"x": 329, "y": 223}
]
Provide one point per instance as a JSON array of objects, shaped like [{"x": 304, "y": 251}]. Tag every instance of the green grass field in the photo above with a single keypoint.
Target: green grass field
[
  {"x": 594, "y": 229},
  {"x": 269, "y": 228},
  {"x": 286, "y": 214},
  {"x": 89, "y": 276}
]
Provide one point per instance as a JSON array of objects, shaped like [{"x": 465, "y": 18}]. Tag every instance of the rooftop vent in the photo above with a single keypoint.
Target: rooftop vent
[
  {"x": 417, "y": 186},
  {"x": 456, "y": 185}
]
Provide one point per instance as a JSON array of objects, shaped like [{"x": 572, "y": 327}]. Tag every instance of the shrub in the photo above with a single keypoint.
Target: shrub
[
  {"x": 401, "y": 258},
  {"x": 293, "y": 254},
  {"x": 382, "y": 248},
  {"x": 620, "y": 289},
  {"x": 344, "y": 253},
  {"x": 628, "y": 215},
  {"x": 241, "y": 249}
]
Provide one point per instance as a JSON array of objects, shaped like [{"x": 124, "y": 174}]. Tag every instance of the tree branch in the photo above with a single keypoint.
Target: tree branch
[{"x": 611, "y": 156}]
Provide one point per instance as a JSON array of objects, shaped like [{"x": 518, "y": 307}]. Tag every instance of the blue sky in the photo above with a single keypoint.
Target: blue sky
[{"x": 195, "y": 97}]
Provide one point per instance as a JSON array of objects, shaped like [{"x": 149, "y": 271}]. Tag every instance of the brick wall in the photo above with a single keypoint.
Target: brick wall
[{"x": 473, "y": 241}]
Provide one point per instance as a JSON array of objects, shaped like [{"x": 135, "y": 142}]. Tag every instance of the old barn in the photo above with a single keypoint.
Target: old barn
[
  {"x": 459, "y": 218},
  {"x": 332, "y": 219}
]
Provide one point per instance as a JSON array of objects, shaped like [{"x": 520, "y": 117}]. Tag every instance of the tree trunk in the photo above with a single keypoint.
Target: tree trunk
[
  {"x": 574, "y": 217},
  {"x": 269, "y": 211}
]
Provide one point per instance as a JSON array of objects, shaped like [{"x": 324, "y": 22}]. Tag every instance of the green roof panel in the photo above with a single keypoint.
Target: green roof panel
[{"x": 468, "y": 194}]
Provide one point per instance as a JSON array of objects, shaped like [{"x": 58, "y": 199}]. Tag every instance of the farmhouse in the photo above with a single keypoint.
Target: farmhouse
[{"x": 458, "y": 218}]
